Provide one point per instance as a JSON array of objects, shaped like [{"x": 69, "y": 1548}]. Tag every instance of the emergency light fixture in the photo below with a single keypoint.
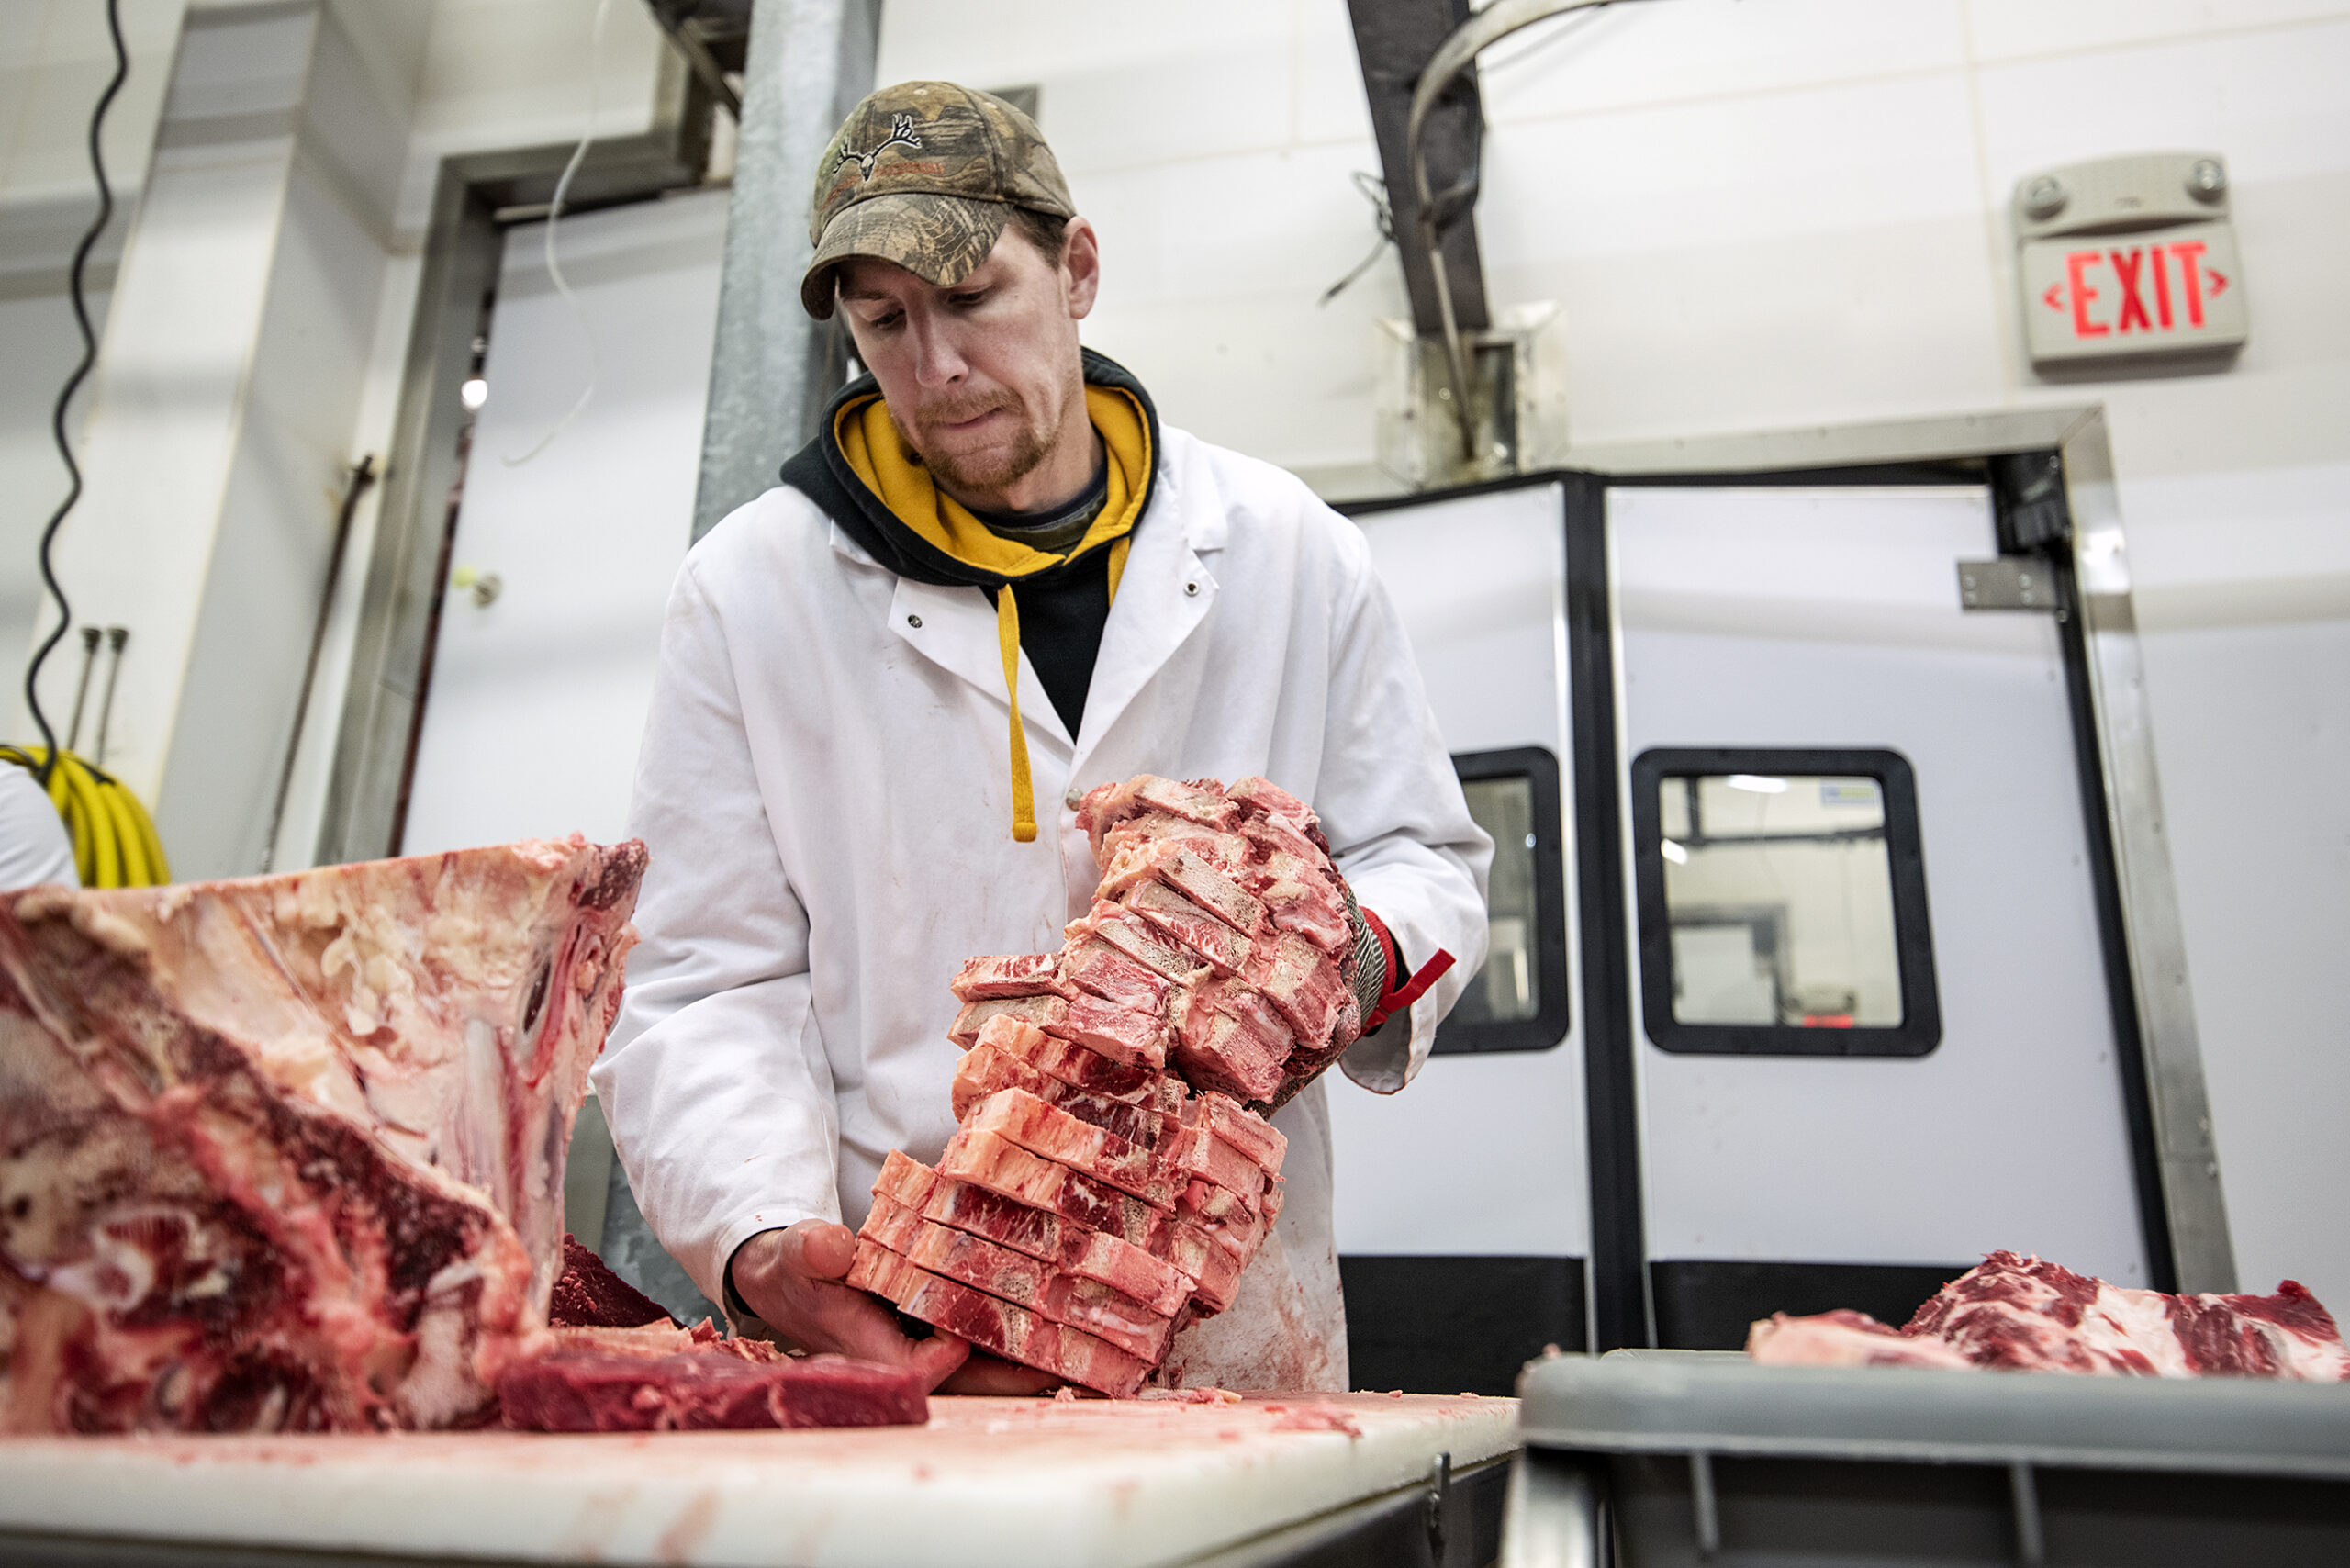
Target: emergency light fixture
[{"x": 2129, "y": 258}]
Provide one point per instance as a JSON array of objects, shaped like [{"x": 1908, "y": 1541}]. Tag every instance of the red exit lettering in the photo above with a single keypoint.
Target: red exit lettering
[{"x": 2136, "y": 272}]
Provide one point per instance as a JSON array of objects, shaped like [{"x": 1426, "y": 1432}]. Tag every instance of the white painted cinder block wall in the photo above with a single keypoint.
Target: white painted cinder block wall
[{"x": 1759, "y": 216}]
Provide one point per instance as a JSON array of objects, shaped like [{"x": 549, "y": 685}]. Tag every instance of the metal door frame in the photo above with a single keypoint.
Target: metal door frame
[{"x": 2175, "y": 1162}]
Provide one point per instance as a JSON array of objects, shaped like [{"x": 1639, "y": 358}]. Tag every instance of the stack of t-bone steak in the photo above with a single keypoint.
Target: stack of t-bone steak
[
  {"x": 2018, "y": 1314},
  {"x": 1113, "y": 1172},
  {"x": 286, "y": 1155}
]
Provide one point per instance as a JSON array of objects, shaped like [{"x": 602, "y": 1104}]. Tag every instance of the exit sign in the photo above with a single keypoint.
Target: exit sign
[
  {"x": 2098, "y": 295},
  {"x": 2127, "y": 258}
]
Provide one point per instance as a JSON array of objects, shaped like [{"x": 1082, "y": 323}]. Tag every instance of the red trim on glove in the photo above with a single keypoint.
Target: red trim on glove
[{"x": 1394, "y": 998}]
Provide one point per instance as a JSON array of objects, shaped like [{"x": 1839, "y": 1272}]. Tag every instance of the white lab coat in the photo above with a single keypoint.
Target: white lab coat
[{"x": 826, "y": 791}]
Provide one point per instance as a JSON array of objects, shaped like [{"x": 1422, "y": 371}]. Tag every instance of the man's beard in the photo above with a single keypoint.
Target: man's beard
[{"x": 990, "y": 471}]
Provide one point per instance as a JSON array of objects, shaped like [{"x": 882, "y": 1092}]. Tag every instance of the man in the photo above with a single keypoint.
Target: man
[{"x": 849, "y": 782}]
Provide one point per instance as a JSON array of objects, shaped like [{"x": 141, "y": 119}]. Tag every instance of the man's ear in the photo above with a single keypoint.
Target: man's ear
[{"x": 1081, "y": 267}]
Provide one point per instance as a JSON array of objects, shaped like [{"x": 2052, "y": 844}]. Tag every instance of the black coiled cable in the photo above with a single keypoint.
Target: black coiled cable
[{"x": 74, "y": 385}]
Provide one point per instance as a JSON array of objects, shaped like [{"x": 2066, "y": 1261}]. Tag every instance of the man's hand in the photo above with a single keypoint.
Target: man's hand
[
  {"x": 792, "y": 1280},
  {"x": 984, "y": 1374}
]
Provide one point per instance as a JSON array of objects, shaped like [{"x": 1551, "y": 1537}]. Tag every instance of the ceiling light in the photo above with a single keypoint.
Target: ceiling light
[
  {"x": 474, "y": 393},
  {"x": 1674, "y": 853},
  {"x": 1756, "y": 783}
]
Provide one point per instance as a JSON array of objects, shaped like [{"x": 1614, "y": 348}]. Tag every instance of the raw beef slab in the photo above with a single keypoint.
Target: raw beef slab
[
  {"x": 2022, "y": 1314},
  {"x": 286, "y": 1154},
  {"x": 586, "y": 1391}
]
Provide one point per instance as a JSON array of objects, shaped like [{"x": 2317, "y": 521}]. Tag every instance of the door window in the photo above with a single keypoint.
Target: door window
[
  {"x": 1519, "y": 1000},
  {"x": 1782, "y": 903}
]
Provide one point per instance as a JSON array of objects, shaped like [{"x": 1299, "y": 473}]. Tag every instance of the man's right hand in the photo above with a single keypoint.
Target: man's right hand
[{"x": 792, "y": 1280}]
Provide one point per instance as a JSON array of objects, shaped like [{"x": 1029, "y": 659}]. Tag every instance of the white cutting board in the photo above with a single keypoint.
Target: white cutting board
[{"x": 1024, "y": 1481}]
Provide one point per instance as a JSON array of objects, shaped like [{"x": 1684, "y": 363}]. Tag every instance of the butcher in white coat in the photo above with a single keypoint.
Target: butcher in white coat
[{"x": 994, "y": 582}]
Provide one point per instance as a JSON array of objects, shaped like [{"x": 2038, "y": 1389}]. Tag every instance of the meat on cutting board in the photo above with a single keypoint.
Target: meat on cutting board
[
  {"x": 1118, "y": 1090},
  {"x": 2022, "y": 1314},
  {"x": 286, "y": 1153},
  {"x": 588, "y": 1390}
]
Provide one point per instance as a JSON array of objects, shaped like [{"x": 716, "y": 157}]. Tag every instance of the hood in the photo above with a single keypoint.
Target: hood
[{"x": 865, "y": 479}]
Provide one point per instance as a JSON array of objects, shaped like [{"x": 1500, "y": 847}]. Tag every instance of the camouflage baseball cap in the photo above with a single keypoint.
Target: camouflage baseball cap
[{"x": 925, "y": 174}]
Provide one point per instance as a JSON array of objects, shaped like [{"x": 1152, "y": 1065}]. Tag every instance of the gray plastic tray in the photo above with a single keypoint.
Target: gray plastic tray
[
  {"x": 1684, "y": 1459},
  {"x": 1718, "y": 1402}
]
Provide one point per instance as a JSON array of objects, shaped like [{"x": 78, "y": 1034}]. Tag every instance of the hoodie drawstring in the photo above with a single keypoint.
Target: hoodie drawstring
[
  {"x": 1007, "y": 637},
  {"x": 1023, "y": 793}
]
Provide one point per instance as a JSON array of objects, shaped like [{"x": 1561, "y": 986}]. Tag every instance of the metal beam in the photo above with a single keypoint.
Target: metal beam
[
  {"x": 809, "y": 63},
  {"x": 1394, "y": 40}
]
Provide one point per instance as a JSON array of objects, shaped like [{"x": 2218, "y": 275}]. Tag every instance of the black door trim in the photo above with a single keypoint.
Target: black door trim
[{"x": 1620, "y": 1311}]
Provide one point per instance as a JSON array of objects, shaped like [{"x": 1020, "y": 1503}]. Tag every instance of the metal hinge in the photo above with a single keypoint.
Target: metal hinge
[{"x": 2007, "y": 584}]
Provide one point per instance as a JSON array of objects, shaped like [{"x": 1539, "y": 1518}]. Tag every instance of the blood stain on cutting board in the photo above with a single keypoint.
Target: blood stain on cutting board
[
  {"x": 1314, "y": 1417},
  {"x": 598, "y": 1519},
  {"x": 689, "y": 1528}
]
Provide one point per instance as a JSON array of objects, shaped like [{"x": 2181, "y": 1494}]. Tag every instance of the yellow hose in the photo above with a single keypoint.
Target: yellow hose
[{"x": 114, "y": 838}]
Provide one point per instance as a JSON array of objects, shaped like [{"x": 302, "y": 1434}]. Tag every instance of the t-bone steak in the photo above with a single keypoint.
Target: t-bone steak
[
  {"x": 286, "y": 1153},
  {"x": 2020, "y": 1313},
  {"x": 1113, "y": 1172}
]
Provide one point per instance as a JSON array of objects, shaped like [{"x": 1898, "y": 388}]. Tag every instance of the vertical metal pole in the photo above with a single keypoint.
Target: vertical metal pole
[{"x": 809, "y": 63}]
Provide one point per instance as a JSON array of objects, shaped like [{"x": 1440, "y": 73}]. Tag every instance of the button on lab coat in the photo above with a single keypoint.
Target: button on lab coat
[{"x": 825, "y": 791}]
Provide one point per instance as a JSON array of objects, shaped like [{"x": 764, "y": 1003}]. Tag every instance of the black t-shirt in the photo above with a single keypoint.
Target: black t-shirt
[{"x": 1061, "y": 617}]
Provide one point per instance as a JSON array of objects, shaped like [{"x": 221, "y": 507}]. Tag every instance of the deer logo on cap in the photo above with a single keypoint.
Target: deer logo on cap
[{"x": 901, "y": 134}]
